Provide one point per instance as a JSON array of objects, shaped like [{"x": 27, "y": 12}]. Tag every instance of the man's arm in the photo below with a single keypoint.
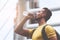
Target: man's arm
[
  {"x": 19, "y": 28},
  {"x": 53, "y": 38}
]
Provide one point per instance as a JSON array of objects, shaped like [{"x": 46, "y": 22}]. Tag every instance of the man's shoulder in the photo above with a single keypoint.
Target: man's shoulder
[
  {"x": 49, "y": 28},
  {"x": 50, "y": 31}
]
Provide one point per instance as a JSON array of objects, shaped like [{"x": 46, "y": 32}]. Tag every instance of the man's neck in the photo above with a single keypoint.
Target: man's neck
[{"x": 42, "y": 21}]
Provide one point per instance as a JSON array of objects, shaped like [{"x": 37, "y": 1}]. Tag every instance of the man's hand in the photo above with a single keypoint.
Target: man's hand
[{"x": 30, "y": 16}]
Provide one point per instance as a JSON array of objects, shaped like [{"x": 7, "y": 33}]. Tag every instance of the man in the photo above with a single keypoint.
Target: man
[{"x": 42, "y": 16}]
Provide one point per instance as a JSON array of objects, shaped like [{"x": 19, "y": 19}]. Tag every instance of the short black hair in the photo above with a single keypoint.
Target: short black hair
[{"x": 48, "y": 14}]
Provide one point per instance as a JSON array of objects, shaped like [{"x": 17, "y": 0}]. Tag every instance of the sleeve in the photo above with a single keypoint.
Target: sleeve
[
  {"x": 30, "y": 31},
  {"x": 50, "y": 31}
]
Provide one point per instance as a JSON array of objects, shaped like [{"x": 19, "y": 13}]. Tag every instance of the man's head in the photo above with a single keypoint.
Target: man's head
[{"x": 44, "y": 13}]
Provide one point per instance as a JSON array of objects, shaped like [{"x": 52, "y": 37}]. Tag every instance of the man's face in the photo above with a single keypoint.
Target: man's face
[{"x": 40, "y": 14}]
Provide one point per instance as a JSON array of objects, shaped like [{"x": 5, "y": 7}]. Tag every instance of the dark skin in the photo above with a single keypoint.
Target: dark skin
[{"x": 25, "y": 32}]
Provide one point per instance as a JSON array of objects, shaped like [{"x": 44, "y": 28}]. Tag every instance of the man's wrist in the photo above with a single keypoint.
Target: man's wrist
[{"x": 26, "y": 17}]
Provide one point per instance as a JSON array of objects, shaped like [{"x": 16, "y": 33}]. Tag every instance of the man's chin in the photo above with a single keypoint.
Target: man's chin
[{"x": 37, "y": 19}]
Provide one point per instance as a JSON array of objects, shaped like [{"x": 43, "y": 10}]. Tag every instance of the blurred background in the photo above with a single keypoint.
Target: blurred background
[
  {"x": 7, "y": 14},
  {"x": 11, "y": 12}
]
